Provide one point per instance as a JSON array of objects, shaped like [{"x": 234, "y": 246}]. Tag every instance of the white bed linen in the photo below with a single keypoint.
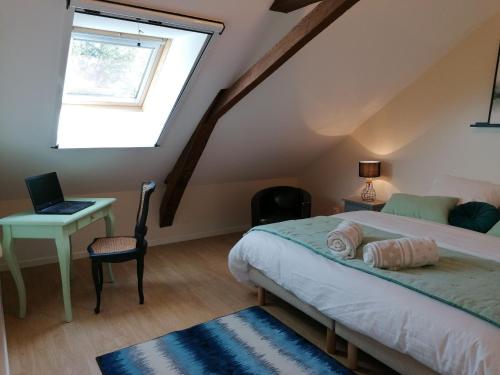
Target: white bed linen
[{"x": 443, "y": 338}]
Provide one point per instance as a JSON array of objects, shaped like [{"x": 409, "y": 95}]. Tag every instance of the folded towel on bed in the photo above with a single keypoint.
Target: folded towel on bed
[
  {"x": 345, "y": 239},
  {"x": 401, "y": 253}
]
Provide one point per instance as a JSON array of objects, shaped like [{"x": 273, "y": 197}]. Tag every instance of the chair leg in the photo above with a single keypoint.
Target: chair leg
[
  {"x": 140, "y": 273},
  {"x": 97, "y": 283},
  {"x": 101, "y": 276}
]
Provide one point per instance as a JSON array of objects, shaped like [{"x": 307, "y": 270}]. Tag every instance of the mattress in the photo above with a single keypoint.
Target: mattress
[{"x": 441, "y": 337}]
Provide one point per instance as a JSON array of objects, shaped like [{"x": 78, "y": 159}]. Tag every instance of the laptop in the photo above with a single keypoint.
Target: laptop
[{"x": 47, "y": 196}]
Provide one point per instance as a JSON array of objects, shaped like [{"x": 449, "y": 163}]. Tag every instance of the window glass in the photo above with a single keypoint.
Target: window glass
[{"x": 108, "y": 69}]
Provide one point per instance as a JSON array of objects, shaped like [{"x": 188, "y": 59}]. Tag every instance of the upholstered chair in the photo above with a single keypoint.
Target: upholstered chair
[{"x": 280, "y": 203}]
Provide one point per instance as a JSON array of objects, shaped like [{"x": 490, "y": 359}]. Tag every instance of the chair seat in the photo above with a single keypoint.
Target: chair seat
[{"x": 110, "y": 245}]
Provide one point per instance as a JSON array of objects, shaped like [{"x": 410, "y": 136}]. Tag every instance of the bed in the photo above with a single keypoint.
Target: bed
[{"x": 406, "y": 330}]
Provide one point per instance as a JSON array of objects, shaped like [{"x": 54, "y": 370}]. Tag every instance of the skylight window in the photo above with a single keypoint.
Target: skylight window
[
  {"x": 127, "y": 73},
  {"x": 106, "y": 69}
]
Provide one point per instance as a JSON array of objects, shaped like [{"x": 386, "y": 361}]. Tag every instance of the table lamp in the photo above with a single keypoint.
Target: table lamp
[{"x": 369, "y": 170}]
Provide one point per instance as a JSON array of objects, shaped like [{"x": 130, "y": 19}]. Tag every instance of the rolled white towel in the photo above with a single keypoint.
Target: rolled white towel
[
  {"x": 345, "y": 239},
  {"x": 401, "y": 253}
]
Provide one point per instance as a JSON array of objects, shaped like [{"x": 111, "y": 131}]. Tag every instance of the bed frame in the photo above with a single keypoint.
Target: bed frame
[{"x": 402, "y": 363}]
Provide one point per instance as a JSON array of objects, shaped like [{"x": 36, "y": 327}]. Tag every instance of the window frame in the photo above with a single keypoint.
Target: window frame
[
  {"x": 158, "y": 46},
  {"x": 140, "y": 16}
]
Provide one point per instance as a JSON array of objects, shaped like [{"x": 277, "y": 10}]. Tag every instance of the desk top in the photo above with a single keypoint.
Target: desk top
[{"x": 30, "y": 218}]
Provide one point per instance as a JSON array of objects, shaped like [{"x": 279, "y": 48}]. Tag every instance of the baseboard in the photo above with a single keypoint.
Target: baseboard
[
  {"x": 33, "y": 262},
  {"x": 197, "y": 235},
  {"x": 40, "y": 261}
]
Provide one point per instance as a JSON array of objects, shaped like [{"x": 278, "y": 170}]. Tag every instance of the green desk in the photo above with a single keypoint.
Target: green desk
[{"x": 59, "y": 228}]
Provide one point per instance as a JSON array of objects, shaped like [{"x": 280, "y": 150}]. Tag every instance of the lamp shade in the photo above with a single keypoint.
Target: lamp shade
[{"x": 369, "y": 169}]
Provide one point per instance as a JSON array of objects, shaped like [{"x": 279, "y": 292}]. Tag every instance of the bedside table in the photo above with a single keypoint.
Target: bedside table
[{"x": 357, "y": 204}]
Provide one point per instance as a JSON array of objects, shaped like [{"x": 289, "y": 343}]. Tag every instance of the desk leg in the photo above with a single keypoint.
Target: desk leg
[
  {"x": 64, "y": 255},
  {"x": 10, "y": 257},
  {"x": 71, "y": 263},
  {"x": 110, "y": 232}
]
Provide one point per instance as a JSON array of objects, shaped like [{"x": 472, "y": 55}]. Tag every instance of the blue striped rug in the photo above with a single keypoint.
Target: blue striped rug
[{"x": 247, "y": 342}]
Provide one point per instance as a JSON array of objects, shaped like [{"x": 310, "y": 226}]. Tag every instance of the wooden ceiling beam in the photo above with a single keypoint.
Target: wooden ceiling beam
[
  {"x": 309, "y": 27},
  {"x": 287, "y": 6}
]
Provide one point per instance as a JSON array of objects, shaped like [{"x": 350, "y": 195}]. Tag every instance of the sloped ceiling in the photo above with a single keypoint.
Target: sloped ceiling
[
  {"x": 339, "y": 80},
  {"x": 336, "y": 82}
]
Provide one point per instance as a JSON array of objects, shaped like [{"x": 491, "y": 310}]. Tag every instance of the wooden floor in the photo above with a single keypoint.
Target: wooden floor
[{"x": 185, "y": 284}]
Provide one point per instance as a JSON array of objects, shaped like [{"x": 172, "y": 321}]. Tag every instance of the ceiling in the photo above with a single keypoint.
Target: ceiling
[{"x": 328, "y": 89}]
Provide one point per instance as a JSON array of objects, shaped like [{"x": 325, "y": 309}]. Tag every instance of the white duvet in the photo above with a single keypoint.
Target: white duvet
[{"x": 443, "y": 338}]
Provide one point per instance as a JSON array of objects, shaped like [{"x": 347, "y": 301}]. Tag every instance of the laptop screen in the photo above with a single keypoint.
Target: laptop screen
[{"x": 44, "y": 190}]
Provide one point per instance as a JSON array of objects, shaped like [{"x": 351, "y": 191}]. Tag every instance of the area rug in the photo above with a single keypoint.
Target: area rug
[{"x": 248, "y": 342}]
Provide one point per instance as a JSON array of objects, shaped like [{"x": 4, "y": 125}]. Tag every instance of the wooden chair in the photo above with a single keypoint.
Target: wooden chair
[{"x": 122, "y": 249}]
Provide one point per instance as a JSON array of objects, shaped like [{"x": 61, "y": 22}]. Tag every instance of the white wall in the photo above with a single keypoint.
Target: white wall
[
  {"x": 334, "y": 84},
  {"x": 205, "y": 210},
  {"x": 424, "y": 131}
]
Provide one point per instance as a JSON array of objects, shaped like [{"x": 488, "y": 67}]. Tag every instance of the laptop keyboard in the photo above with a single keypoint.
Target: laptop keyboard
[{"x": 67, "y": 207}]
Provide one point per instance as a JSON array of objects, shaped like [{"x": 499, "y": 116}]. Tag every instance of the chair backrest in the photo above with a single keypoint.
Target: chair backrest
[
  {"x": 147, "y": 188},
  {"x": 287, "y": 200},
  {"x": 280, "y": 197}
]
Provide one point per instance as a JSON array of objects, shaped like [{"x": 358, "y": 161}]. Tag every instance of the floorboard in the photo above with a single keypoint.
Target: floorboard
[{"x": 184, "y": 284}]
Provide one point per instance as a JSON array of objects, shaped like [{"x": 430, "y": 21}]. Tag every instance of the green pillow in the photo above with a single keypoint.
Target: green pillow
[
  {"x": 430, "y": 208},
  {"x": 477, "y": 216},
  {"x": 495, "y": 231}
]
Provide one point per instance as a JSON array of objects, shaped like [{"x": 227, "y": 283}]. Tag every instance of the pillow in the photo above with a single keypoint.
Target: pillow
[
  {"x": 466, "y": 190},
  {"x": 476, "y": 216},
  {"x": 432, "y": 208},
  {"x": 495, "y": 231}
]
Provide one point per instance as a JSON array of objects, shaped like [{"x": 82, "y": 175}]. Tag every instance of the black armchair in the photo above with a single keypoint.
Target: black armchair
[{"x": 280, "y": 203}]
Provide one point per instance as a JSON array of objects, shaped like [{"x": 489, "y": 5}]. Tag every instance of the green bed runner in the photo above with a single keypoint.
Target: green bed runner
[{"x": 466, "y": 282}]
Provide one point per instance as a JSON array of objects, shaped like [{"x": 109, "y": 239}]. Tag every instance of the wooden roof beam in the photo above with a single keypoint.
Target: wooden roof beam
[
  {"x": 287, "y": 6},
  {"x": 309, "y": 27}
]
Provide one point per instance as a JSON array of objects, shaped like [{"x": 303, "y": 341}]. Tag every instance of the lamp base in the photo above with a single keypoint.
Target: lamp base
[{"x": 368, "y": 194}]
